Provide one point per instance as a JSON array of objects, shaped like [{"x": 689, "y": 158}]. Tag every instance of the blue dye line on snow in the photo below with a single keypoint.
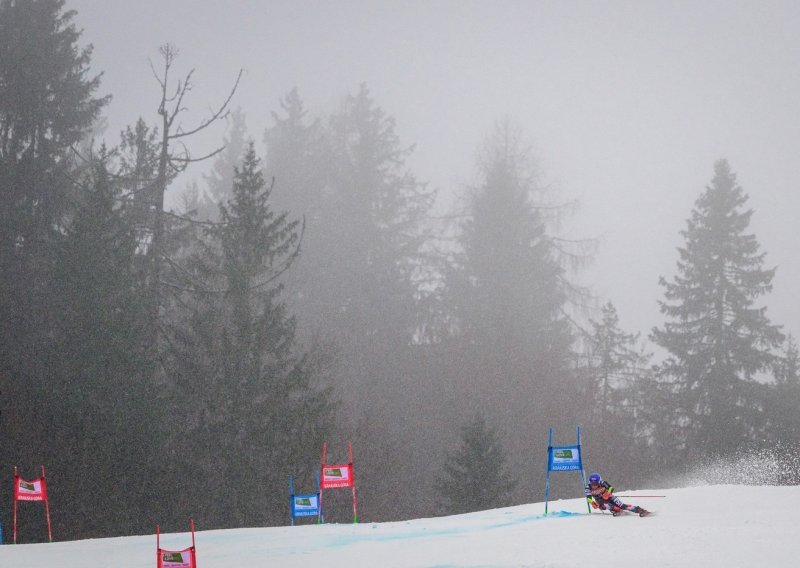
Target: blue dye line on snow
[{"x": 346, "y": 540}]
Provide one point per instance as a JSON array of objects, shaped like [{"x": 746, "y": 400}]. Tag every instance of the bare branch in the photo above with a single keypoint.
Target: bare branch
[
  {"x": 200, "y": 286},
  {"x": 188, "y": 159},
  {"x": 221, "y": 111},
  {"x": 155, "y": 74},
  {"x": 179, "y": 95},
  {"x": 185, "y": 219}
]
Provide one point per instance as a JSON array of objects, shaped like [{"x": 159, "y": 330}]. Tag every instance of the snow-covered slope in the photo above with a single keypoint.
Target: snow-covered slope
[{"x": 711, "y": 526}]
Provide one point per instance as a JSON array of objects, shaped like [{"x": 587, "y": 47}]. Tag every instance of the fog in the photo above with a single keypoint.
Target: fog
[
  {"x": 440, "y": 162},
  {"x": 627, "y": 104}
]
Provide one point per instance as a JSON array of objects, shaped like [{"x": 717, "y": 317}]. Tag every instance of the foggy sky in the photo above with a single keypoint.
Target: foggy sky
[{"x": 627, "y": 104}]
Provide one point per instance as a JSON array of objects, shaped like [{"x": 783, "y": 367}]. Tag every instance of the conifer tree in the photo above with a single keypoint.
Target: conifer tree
[
  {"x": 507, "y": 291},
  {"x": 616, "y": 375},
  {"x": 355, "y": 290},
  {"x": 173, "y": 158},
  {"x": 510, "y": 288},
  {"x": 369, "y": 243},
  {"x": 47, "y": 104},
  {"x": 138, "y": 163},
  {"x": 366, "y": 222},
  {"x": 474, "y": 476},
  {"x": 610, "y": 355},
  {"x": 101, "y": 387},
  {"x": 717, "y": 338},
  {"x": 787, "y": 368},
  {"x": 219, "y": 181},
  {"x": 295, "y": 158},
  {"x": 256, "y": 407}
]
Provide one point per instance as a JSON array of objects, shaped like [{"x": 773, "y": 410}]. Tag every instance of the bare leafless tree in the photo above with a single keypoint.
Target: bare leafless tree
[{"x": 174, "y": 157}]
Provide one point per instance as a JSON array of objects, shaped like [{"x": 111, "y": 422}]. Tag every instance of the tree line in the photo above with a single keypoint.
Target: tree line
[{"x": 167, "y": 363}]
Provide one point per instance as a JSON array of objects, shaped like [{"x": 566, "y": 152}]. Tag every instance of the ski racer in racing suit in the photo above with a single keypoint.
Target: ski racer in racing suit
[{"x": 600, "y": 495}]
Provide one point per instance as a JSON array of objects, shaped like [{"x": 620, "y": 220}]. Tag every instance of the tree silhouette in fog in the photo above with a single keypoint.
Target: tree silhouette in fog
[
  {"x": 252, "y": 412},
  {"x": 717, "y": 337},
  {"x": 506, "y": 293},
  {"x": 474, "y": 476}
]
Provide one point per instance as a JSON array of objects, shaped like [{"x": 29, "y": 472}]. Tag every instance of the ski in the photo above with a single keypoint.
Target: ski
[{"x": 642, "y": 513}]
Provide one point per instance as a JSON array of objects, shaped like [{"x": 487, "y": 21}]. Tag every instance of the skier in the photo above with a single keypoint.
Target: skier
[{"x": 600, "y": 495}]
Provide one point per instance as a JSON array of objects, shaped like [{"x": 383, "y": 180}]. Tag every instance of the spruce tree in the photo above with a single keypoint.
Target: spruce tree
[
  {"x": 787, "y": 368},
  {"x": 717, "y": 338},
  {"x": 101, "y": 387},
  {"x": 369, "y": 238},
  {"x": 509, "y": 286},
  {"x": 507, "y": 291},
  {"x": 474, "y": 476},
  {"x": 256, "y": 412},
  {"x": 174, "y": 157},
  {"x": 295, "y": 158},
  {"x": 219, "y": 181},
  {"x": 48, "y": 104},
  {"x": 616, "y": 376},
  {"x": 355, "y": 289},
  {"x": 138, "y": 164},
  {"x": 614, "y": 363}
]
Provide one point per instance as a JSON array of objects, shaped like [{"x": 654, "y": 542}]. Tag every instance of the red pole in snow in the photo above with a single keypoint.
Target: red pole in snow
[
  {"x": 353, "y": 481},
  {"x": 16, "y": 482},
  {"x": 47, "y": 506},
  {"x": 321, "y": 518}
]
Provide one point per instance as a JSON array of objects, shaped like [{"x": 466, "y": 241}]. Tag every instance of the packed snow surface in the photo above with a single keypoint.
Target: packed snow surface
[{"x": 711, "y": 526}]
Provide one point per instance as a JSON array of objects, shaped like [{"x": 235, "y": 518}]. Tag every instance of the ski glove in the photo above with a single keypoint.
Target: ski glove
[
  {"x": 607, "y": 495},
  {"x": 595, "y": 505}
]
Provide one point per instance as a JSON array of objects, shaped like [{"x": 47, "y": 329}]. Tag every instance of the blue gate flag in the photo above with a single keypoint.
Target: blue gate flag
[
  {"x": 307, "y": 505},
  {"x": 563, "y": 458}
]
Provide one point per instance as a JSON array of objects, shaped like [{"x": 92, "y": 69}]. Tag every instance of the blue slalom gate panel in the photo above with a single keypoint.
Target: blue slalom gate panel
[
  {"x": 305, "y": 505},
  {"x": 563, "y": 458}
]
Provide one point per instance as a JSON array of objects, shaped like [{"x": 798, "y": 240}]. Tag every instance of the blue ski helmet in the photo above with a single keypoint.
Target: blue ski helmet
[{"x": 595, "y": 478}]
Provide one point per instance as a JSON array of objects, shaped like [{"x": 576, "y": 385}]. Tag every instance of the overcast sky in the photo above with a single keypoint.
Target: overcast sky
[{"x": 627, "y": 103}]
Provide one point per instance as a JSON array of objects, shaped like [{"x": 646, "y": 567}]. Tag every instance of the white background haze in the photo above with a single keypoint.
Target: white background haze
[{"x": 627, "y": 103}]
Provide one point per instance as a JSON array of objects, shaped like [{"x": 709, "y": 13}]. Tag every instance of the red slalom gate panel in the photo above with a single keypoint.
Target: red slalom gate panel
[
  {"x": 186, "y": 558},
  {"x": 337, "y": 476},
  {"x": 34, "y": 490}
]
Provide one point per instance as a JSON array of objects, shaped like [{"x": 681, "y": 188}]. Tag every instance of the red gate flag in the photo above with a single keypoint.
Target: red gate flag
[
  {"x": 34, "y": 490},
  {"x": 337, "y": 476},
  {"x": 334, "y": 476},
  {"x": 185, "y": 558}
]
